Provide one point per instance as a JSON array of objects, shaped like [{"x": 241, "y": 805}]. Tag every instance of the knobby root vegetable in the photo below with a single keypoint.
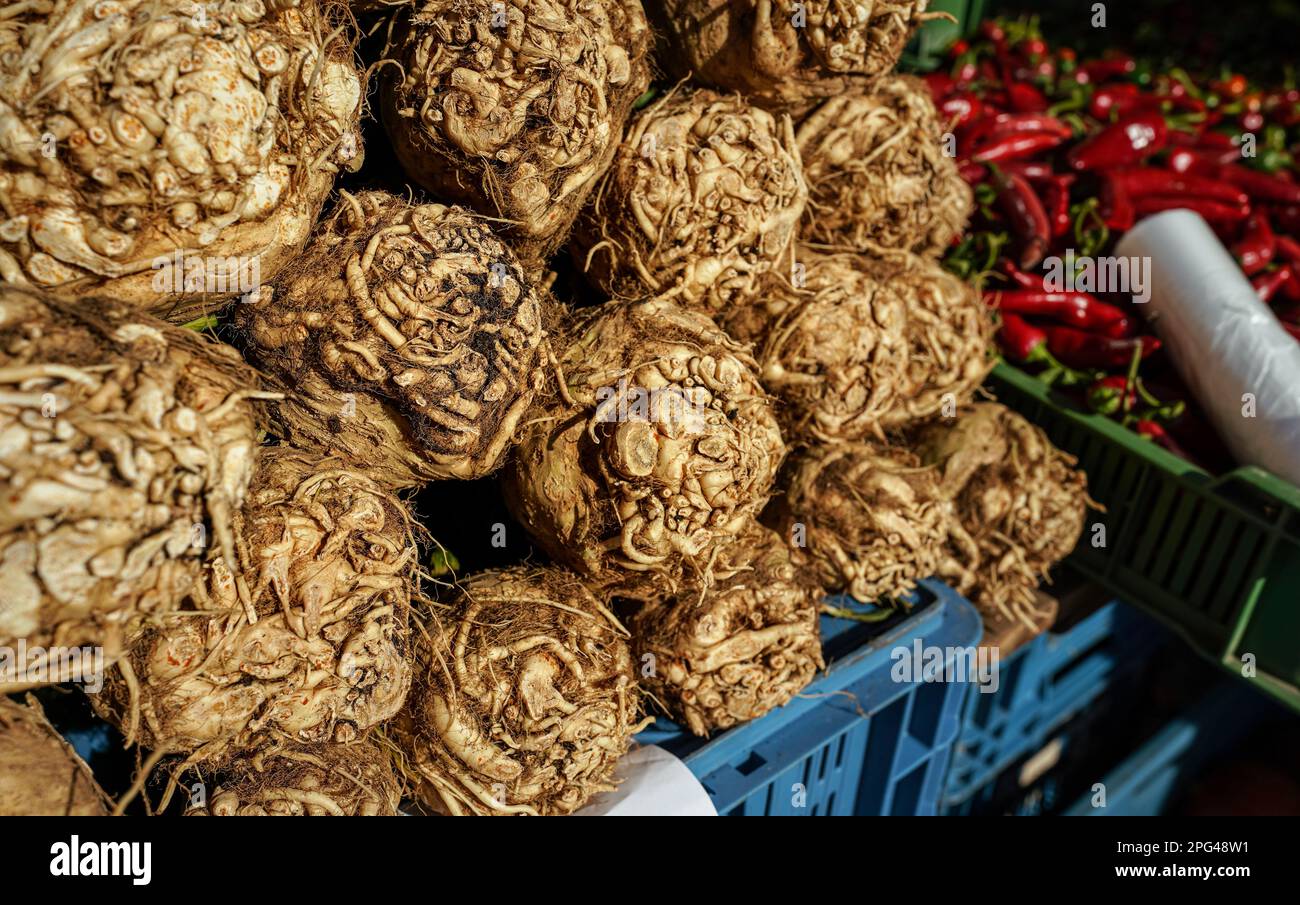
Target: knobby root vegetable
[
  {"x": 785, "y": 54},
  {"x": 831, "y": 343},
  {"x": 525, "y": 698},
  {"x": 703, "y": 199},
  {"x": 663, "y": 451},
  {"x": 878, "y": 178},
  {"x": 863, "y": 518},
  {"x": 40, "y": 774},
  {"x": 410, "y": 337},
  {"x": 322, "y": 654},
  {"x": 950, "y": 333},
  {"x": 515, "y": 108},
  {"x": 305, "y": 781},
  {"x": 1021, "y": 503},
  {"x": 732, "y": 649},
  {"x": 126, "y": 447},
  {"x": 169, "y": 153}
]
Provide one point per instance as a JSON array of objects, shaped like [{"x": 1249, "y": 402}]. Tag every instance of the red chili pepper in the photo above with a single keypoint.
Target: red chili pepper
[
  {"x": 1032, "y": 281},
  {"x": 1003, "y": 124},
  {"x": 1261, "y": 186},
  {"x": 1200, "y": 162},
  {"x": 1015, "y": 146},
  {"x": 1156, "y": 432},
  {"x": 1056, "y": 198},
  {"x": 1024, "y": 210},
  {"x": 1109, "y": 394},
  {"x": 959, "y": 47},
  {"x": 1081, "y": 349},
  {"x": 1288, "y": 249},
  {"x": 1022, "y": 340},
  {"x": 1033, "y": 170},
  {"x": 1217, "y": 141},
  {"x": 1257, "y": 245},
  {"x": 1025, "y": 98},
  {"x": 1126, "y": 143},
  {"x": 961, "y": 109},
  {"x": 1120, "y": 100},
  {"x": 940, "y": 85},
  {"x": 1153, "y": 181},
  {"x": 1286, "y": 217},
  {"x": 972, "y": 172},
  {"x": 1114, "y": 67},
  {"x": 1268, "y": 284},
  {"x": 1079, "y": 309},
  {"x": 1116, "y": 206},
  {"x": 1214, "y": 211}
]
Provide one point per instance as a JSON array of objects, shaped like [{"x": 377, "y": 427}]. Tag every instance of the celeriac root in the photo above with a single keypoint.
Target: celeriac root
[
  {"x": 40, "y": 774},
  {"x": 877, "y": 174},
  {"x": 126, "y": 447},
  {"x": 515, "y": 109},
  {"x": 410, "y": 337},
  {"x": 668, "y": 450},
  {"x": 863, "y": 518},
  {"x": 327, "y": 559},
  {"x": 150, "y": 148},
  {"x": 305, "y": 781},
  {"x": 1021, "y": 503},
  {"x": 702, "y": 200},
  {"x": 525, "y": 698},
  {"x": 733, "y": 648}
]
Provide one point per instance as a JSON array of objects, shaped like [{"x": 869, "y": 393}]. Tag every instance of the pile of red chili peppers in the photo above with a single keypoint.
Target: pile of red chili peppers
[{"x": 1066, "y": 154}]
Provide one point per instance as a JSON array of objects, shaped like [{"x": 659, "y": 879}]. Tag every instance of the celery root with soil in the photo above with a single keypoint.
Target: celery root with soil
[
  {"x": 525, "y": 697},
  {"x": 128, "y": 448}
]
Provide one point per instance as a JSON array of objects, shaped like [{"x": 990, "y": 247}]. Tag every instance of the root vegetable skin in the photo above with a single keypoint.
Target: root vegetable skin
[
  {"x": 703, "y": 199},
  {"x": 135, "y": 131},
  {"x": 736, "y": 648},
  {"x": 861, "y": 518},
  {"x": 40, "y": 774},
  {"x": 525, "y": 698},
  {"x": 128, "y": 445},
  {"x": 785, "y": 54},
  {"x": 409, "y": 337},
  {"x": 306, "y": 781},
  {"x": 877, "y": 174},
  {"x": 327, "y": 560},
  {"x": 950, "y": 333},
  {"x": 834, "y": 348},
  {"x": 669, "y": 449},
  {"x": 1021, "y": 504},
  {"x": 516, "y": 109}
]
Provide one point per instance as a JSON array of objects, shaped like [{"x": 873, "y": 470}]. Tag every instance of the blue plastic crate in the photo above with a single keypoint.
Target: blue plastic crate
[
  {"x": 856, "y": 742},
  {"x": 1146, "y": 782},
  {"x": 1041, "y": 686}
]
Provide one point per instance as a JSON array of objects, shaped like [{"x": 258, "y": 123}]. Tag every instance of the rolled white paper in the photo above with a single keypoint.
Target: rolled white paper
[
  {"x": 653, "y": 783},
  {"x": 1224, "y": 341}
]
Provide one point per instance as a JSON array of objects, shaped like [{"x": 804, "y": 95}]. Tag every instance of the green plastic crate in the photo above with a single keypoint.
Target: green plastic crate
[
  {"x": 926, "y": 49},
  {"x": 1216, "y": 558}
]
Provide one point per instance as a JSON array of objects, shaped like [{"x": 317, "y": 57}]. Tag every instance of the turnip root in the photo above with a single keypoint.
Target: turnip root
[
  {"x": 877, "y": 174},
  {"x": 139, "y": 140},
  {"x": 863, "y": 518},
  {"x": 950, "y": 333},
  {"x": 525, "y": 698},
  {"x": 126, "y": 446},
  {"x": 785, "y": 54},
  {"x": 515, "y": 108},
  {"x": 409, "y": 336},
  {"x": 663, "y": 451},
  {"x": 703, "y": 199},
  {"x": 832, "y": 346},
  {"x": 736, "y": 647},
  {"x": 321, "y": 653},
  {"x": 40, "y": 774},
  {"x": 1021, "y": 503},
  {"x": 306, "y": 781}
]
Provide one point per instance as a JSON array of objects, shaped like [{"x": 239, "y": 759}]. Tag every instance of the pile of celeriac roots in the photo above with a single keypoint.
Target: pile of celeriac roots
[{"x": 771, "y": 397}]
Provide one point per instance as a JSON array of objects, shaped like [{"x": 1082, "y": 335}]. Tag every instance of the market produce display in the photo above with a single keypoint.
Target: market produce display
[
  {"x": 697, "y": 334},
  {"x": 526, "y": 697},
  {"x": 733, "y": 649},
  {"x": 140, "y": 134},
  {"x": 127, "y": 448}
]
